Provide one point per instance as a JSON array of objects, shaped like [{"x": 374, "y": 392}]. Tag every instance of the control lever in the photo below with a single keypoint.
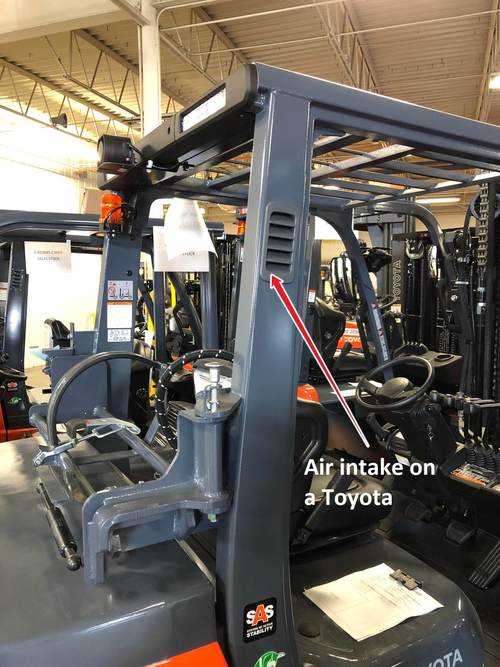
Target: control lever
[
  {"x": 98, "y": 428},
  {"x": 347, "y": 347}
]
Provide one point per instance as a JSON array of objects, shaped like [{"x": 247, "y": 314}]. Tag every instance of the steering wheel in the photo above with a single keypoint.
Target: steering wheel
[
  {"x": 8, "y": 373},
  {"x": 396, "y": 393}
]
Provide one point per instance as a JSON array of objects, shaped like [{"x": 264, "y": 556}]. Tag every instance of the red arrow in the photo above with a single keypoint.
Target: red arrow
[{"x": 277, "y": 285}]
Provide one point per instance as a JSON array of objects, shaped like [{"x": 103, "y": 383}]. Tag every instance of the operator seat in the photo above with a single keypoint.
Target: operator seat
[
  {"x": 313, "y": 526},
  {"x": 328, "y": 327},
  {"x": 310, "y": 526},
  {"x": 59, "y": 332}
]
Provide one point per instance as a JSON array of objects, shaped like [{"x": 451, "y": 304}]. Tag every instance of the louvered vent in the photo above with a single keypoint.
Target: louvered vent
[
  {"x": 280, "y": 241},
  {"x": 16, "y": 278}
]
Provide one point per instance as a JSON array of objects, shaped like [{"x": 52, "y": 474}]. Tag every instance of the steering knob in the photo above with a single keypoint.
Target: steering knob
[{"x": 395, "y": 393}]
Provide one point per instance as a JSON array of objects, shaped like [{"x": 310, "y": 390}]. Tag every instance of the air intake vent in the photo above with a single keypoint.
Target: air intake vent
[
  {"x": 16, "y": 278},
  {"x": 280, "y": 243}
]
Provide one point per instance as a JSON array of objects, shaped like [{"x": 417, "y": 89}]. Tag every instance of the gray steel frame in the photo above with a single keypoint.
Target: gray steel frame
[{"x": 267, "y": 107}]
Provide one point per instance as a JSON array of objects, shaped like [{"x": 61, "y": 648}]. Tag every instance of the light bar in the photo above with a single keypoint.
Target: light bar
[
  {"x": 204, "y": 110},
  {"x": 437, "y": 200}
]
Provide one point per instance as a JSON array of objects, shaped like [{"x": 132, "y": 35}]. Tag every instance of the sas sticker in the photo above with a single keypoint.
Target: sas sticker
[
  {"x": 269, "y": 659},
  {"x": 259, "y": 620}
]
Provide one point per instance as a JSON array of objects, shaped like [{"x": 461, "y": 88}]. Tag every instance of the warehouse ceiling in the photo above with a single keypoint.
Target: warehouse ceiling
[{"x": 77, "y": 64}]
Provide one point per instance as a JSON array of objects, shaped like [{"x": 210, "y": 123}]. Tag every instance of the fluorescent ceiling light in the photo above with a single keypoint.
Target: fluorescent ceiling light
[
  {"x": 494, "y": 83},
  {"x": 437, "y": 200},
  {"x": 329, "y": 187}
]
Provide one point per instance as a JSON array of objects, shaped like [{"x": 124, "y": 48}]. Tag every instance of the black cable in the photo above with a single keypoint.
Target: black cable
[
  {"x": 74, "y": 372},
  {"x": 136, "y": 150},
  {"x": 113, "y": 211},
  {"x": 161, "y": 405},
  {"x": 141, "y": 155}
]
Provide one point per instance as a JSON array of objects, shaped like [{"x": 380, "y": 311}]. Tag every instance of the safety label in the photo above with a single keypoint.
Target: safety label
[
  {"x": 119, "y": 335},
  {"x": 120, "y": 290},
  {"x": 119, "y": 314},
  {"x": 259, "y": 620}
]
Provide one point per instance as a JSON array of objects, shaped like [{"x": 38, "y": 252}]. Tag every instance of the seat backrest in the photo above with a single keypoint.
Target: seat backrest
[
  {"x": 328, "y": 328},
  {"x": 59, "y": 332},
  {"x": 311, "y": 437}
]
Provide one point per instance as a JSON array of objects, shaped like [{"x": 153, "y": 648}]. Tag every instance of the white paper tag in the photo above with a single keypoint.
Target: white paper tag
[{"x": 119, "y": 335}]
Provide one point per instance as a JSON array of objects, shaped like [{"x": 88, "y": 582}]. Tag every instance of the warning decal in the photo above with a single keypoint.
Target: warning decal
[
  {"x": 119, "y": 335},
  {"x": 120, "y": 290},
  {"x": 119, "y": 314}
]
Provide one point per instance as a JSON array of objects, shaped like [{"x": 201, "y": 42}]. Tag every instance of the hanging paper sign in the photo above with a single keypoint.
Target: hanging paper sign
[
  {"x": 183, "y": 243},
  {"x": 43, "y": 259}
]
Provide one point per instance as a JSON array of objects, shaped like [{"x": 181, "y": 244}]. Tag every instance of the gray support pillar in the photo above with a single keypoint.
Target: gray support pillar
[
  {"x": 377, "y": 239},
  {"x": 313, "y": 260},
  {"x": 115, "y": 318},
  {"x": 209, "y": 310},
  {"x": 185, "y": 299},
  {"x": 159, "y": 315},
  {"x": 342, "y": 222},
  {"x": 265, "y": 375}
]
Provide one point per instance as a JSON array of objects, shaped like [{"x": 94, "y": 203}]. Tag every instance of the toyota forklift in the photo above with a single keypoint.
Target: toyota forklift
[{"x": 137, "y": 589}]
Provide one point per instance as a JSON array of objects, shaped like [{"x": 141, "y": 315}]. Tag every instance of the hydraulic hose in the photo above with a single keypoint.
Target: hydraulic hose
[
  {"x": 185, "y": 299},
  {"x": 73, "y": 373}
]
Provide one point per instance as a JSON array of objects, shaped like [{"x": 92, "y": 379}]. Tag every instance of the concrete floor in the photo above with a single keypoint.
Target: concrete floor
[{"x": 37, "y": 381}]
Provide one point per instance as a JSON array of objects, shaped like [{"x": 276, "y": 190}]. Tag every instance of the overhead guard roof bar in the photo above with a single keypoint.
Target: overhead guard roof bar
[{"x": 343, "y": 117}]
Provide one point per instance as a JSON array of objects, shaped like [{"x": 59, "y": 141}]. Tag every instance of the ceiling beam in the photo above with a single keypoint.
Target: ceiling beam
[
  {"x": 363, "y": 46},
  {"x": 490, "y": 62},
  {"x": 132, "y": 12},
  {"x": 223, "y": 38},
  {"x": 128, "y": 64},
  {"x": 39, "y": 18},
  {"x": 350, "y": 52},
  {"x": 183, "y": 55},
  {"x": 183, "y": 4},
  {"x": 22, "y": 71},
  {"x": 207, "y": 23}
]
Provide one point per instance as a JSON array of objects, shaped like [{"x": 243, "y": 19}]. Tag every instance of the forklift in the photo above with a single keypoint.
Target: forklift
[{"x": 138, "y": 588}]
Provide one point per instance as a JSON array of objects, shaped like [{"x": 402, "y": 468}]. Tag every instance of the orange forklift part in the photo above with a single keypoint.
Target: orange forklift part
[
  {"x": 306, "y": 392},
  {"x": 205, "y": 656},
  {"x": 241, "y": 221},
  {"x": 111, "y": 209},
  {"x": 350, "y": 335}
]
